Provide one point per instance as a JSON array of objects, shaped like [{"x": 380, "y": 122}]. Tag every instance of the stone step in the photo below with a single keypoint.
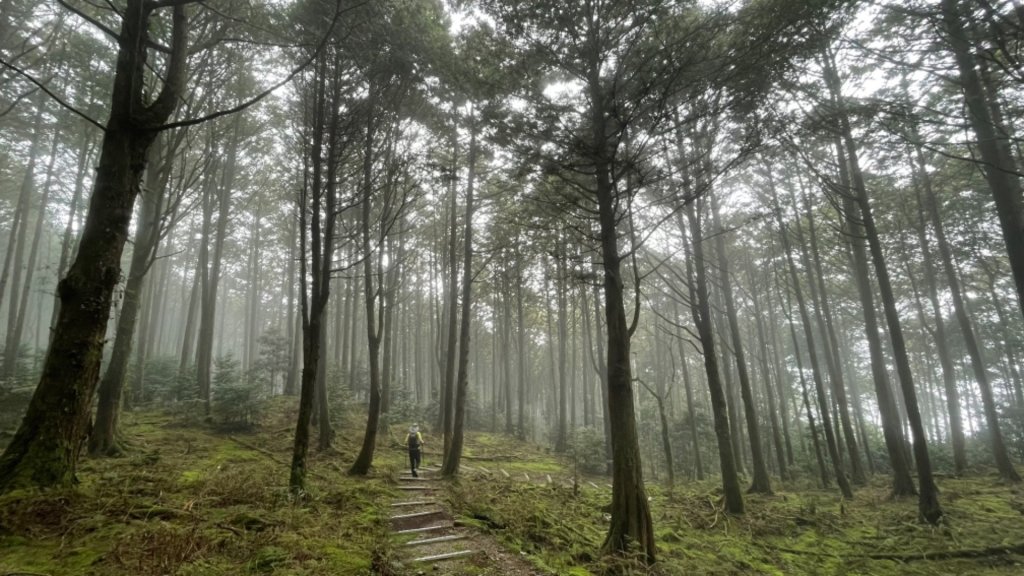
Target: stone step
[
  {"x": 415, "y": 479},
  {"x": 413, "y": 503},
  {"x": 446, "y": 556},
  {"x": 417, "y": 515},
  {"x": 416, "y": 488},
  {"x": 436, "y": 540},
  {"x": 425, "y": 529}
]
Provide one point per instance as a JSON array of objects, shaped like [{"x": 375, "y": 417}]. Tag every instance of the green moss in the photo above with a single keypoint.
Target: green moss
[{"x": 346, "y": 561}]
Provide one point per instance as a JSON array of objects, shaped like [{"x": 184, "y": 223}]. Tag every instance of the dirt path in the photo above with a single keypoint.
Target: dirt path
[{"x": 428, "y": 540}]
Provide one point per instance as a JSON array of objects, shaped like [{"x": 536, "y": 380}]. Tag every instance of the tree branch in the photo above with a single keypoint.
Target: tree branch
[
  {"x": 52, "y": 96},
  {"x": 256, "y": 99}
]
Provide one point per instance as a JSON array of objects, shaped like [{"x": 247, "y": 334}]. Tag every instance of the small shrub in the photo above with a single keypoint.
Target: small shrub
[
  {"x": 238, "y": 406},
  {"x": 586, "y": 447}
]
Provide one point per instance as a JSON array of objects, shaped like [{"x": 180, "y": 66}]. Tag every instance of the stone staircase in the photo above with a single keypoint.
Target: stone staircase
[{"x": 424, "y": 528}]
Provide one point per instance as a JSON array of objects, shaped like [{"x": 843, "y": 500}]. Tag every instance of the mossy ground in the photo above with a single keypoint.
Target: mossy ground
[
  {"x": 798, "y": 530},
  {"x": 187, "y": 501}
]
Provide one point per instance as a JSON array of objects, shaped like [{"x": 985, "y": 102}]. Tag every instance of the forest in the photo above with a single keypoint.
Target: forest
[{"x": 653, "y": 287}]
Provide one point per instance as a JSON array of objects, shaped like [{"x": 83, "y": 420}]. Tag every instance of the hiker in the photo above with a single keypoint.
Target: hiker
[{"x": 415, "y": 443}]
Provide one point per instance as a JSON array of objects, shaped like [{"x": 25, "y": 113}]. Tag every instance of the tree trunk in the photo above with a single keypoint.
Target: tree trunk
[
  {"x": 779, "y": 378},
  {"x": 452, "y": 308},
  {"x": 928, "y": 501},
  {"x": 823, "y": 313},
  {"x": 16, "y": 249},
  {"x": 999, "y": 452},
  {"x": 523, "y": 354},
  {"x": 453, "y": 456},
  {"x": 46, "y": 447},
  {"x": 561, "y": 431},
  {"x": 630, "y": 515},
  {"x": 14, "y": 337},
  {"x": 999, "y": 167},
  {"x": 956, "y": 429},
  {"x": 773, "y": 416},
  {"x": 103, "y": 439},
  {"x": 208, "y": 312},
  {"x": 761, "y": 484},
  {"x": 373, "y": 336},
  {"x": 819, "y": 385},
  {"x": 701, "y": 310},
  {"x": 826, "y": 480}
]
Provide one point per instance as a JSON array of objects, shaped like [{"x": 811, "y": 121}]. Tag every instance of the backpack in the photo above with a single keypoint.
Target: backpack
[{"x": 413, "y": 441}]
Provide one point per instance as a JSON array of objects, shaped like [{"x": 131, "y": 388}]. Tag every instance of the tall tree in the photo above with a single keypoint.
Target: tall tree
[
  {"x": 998, "y": 163},
  {"x": 46, "y": 447},
  {"x": 929, "y": 509}
]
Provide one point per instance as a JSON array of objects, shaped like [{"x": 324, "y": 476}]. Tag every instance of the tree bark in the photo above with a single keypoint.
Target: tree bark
[
  {"x": 773, "y": 416},
  {"x": 928, "y": 502},
  {"x": 103, "y": 439}
]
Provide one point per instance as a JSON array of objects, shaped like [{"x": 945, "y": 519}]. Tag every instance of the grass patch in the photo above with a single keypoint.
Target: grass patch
[
  {"x": 188, "y": 502},
  {"x": 798, "y": 530}
]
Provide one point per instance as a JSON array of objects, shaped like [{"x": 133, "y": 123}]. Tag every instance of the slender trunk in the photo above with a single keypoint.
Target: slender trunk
[
  {"x": 506, "y": 353},
  {"x": 293, "y": 324},
  {"x": 826, "y": 480},
  {"x": 522, "y": 357},
  {"x": 561, "y": 430},
  {"x": 781, "y": 388},
  {"x": 448, "y": 382},
  {"x": 208, "y": 312},
  {"x": 812, "y": 353},
  {"x": 1002, "y": 459},
  {"x": 688, "y": 385},
  {"x": 701, "y": 310},
  {"x": 16, "y": 251},
  {"x": 199, "y": 280},
  {"x": 831, "y": 346},
  {"x": 928, "y": 501},
  {"x": 14, "y": 336},
  {"x": 370, "y": 293},
  {"x": 602, "y": 370},
  {"x": 761, "y": 483},
  {"x": 773, "y": 416},
  {"x": 453, "y": 456},
  {"x": 956, "y": 429}
]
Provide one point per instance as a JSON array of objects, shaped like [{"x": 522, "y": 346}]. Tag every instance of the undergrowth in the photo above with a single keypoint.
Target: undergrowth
[
  {"x": 187, "y": 501},
  {"x": 798, "y": 530}
]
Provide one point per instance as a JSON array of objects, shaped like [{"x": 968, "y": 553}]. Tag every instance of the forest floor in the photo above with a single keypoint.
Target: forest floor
[{"x": 190, "y": 501}]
